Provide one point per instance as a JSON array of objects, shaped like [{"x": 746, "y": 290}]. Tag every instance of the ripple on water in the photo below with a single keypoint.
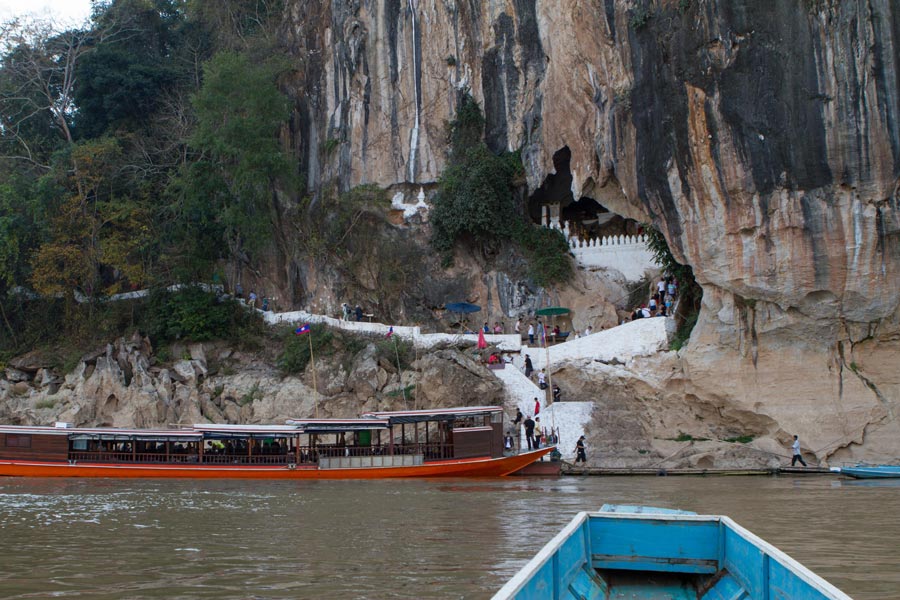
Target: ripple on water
[{"x": 393, "y": 539}]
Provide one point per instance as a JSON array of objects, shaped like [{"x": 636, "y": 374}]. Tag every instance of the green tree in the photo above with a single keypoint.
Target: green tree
[
  {"x": 123, "y": 80},
  {"x": 690, "y": 294},
  {"x": 225, "y": 196},
  {"x": 477, "y": 202}
]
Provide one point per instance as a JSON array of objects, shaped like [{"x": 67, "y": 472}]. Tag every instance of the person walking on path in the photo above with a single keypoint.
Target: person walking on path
[
  {"x": 580, "y": 455},
  {"x": 529, "y": 432},
  {"x": 797, "y": 455},
  {"x": 529, "y": 368},
  {"x": 537, "y": 407},
  {"x": 531, "y": 334}
]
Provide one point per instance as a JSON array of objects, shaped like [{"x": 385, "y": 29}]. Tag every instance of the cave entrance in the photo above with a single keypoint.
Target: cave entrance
[{"x": 554, "y": 205}]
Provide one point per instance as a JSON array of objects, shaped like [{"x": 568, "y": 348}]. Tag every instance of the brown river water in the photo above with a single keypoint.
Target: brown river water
[{"x": 395, "y": 539}]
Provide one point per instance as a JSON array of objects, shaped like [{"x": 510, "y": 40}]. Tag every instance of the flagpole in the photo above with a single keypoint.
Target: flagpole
[
  {"x": 549, "y": 379},
  {"x": 312, "y": 359},
  {"x": 400, "y": 372},
  {"x": 416, "y": 389}
]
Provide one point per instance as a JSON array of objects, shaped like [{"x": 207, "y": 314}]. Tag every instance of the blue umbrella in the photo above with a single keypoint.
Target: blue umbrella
[{"x": 462, "y": 307}]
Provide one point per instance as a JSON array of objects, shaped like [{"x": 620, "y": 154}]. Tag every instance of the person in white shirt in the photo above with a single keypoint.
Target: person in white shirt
[
  {"x": 542, "y": 380},
  {"x": 531, "y": 334},
  {"x": 589, "y": 330},
  {"x": 797, "y": 455}
]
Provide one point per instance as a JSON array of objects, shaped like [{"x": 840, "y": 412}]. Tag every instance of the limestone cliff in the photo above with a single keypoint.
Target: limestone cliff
[{"x": 762, "y": 138}]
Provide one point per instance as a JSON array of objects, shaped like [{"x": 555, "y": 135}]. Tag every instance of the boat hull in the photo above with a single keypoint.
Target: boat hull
[
  {"x": 662, "y": 555},
  {"x": 873, "y": 472},
  {"x": 468, "y": 467}
]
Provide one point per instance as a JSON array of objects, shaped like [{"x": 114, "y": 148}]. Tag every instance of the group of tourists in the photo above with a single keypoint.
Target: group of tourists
[
  {"x": 252, "y": 298},
  {"x": 498, "y": 329},
  {"x": 662, "y": 301},
  {"x": 349, "y": 313},
  {"x": 537, "y": 436}
]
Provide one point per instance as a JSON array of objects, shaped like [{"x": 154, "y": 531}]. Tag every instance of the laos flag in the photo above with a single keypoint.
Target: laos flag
[{"x": 302, "y": 329}]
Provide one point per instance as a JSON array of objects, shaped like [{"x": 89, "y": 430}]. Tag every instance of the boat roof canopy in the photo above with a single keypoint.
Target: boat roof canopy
[
  {"x": 440, "y": 414},
  {"x": 337, "y": 425},
  {"x": 106, "y": 433},
  {"x": 223, "y": 431}
]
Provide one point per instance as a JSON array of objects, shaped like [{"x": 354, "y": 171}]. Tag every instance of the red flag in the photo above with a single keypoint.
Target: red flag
[
  {"x": 390, "y": 332},
  {"x": 481, "y": 343}
]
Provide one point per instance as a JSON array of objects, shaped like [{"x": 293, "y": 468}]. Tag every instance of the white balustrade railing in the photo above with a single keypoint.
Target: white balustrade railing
[{"x": 628, "y": 254}]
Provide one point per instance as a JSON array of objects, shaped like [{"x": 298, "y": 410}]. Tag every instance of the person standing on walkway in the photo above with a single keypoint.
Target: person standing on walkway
[
  {"x": 580, "y": 455},
  {"x": 538, "y": 433},
  {"x": 531, "y": 334},
  {"x": 537, "y": 407},
  {"x": 529, "y": 432},
  {"x": 529, "y": 368},
  {"x": 797, "y": 455}
]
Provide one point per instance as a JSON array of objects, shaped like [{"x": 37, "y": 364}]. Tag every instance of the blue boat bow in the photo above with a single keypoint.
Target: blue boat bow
[{"x": 644, "y": 555}]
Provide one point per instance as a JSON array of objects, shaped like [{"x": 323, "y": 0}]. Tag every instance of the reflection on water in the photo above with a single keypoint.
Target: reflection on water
[{"x": 394, "y": 539}]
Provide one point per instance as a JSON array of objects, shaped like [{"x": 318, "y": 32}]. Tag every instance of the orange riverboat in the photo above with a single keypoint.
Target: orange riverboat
[{"x": 464, "y": 442}]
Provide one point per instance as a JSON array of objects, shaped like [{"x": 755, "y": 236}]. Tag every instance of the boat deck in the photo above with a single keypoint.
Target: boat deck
[{"x": 656, "y": 555}]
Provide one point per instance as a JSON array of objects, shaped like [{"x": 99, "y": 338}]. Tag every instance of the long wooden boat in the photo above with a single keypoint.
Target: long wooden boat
[
  {"x": 675, "y": 555},
  {"x": 465, "y": 442},
  {"x": 870, "y": 471}
]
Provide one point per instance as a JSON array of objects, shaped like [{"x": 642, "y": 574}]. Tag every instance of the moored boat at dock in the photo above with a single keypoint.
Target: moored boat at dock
[
  {"x": 463, "y": 442},
  {"x": 643, "y": 553},
  {"x": 870, "y": 471}
]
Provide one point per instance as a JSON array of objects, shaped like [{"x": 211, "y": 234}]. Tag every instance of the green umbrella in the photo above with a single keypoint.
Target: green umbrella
[{"x": 552, "y": 311}]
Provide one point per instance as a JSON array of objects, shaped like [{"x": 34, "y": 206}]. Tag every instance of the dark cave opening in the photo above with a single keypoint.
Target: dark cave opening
[{"x": 554, "y": 204}]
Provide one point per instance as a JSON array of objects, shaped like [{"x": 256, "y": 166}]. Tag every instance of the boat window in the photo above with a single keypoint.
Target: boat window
[
  {"x": 79, "y": 444},
  {"x": 18, "y": 440}
]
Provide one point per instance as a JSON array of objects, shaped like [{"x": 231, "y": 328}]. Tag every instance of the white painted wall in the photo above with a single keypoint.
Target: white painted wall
[{"x": 627, "y": 255}]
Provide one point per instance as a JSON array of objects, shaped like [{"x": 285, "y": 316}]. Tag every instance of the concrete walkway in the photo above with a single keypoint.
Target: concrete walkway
[{"x": 506, "y": 343}]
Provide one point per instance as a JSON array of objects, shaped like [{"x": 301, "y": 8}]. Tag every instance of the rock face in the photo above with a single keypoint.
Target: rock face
[
  {"x": 762, "y": 139},
  {"x": 119, "y": 387}
]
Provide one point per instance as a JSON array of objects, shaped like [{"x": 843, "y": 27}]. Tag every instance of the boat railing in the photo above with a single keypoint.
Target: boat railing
[
  {"x": 131, "y": 457},
  {"x": 302, "y": 455},
  {"x": 243, "y": 459}
]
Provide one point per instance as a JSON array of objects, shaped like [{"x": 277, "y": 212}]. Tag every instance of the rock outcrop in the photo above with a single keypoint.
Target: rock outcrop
[
  {"x": 120, "y": 386},
  {"x": 763, "y": 140}
]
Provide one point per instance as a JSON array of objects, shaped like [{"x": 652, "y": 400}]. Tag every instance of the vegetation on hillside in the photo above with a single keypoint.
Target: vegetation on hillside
[
  {"x": 690, "y": 294},
  {"x": 142, "y": 150},
  {"x": 477, "y": 203}
]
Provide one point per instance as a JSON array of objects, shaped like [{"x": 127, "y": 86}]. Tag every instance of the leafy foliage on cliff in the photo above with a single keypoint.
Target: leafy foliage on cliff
[
  {"x": 690, "y": 293},
  {"x": 477, "y": 202}
]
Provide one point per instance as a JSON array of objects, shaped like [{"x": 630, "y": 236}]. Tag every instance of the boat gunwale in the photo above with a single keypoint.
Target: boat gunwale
[
  {"x": 546, "y": 553},
  {"x": 142, "y": 469}
]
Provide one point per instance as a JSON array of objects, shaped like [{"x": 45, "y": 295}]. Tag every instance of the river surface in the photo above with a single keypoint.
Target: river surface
[{"x": 395, "y": 539}]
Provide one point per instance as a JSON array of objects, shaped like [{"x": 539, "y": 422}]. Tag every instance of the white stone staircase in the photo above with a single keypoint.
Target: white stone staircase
[{"x": 568, "y": 419}]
